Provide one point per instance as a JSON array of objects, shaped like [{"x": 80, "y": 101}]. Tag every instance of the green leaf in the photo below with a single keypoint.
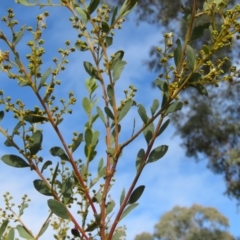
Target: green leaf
[
  {"x": 117, "y": 70},
  {"x": 23, "y": 81},
  {"x": 86, "y": 105},
  {"x": 54, "y": 175},
  {"x": 110, "y": 206},
  {"x": 90, "y": 69},
  {"x": 91, "y": 227},
  {"x": 122, "y": 196},
  {"x": 67, "y": 187},
  {"x": 36, "y": 144},
  {"x": 118, "y": 56},
  {"x": 114, "y": 15},
  {"x": 187, "y": 13},
  {"x": 88, "y": 136},
  {"x": 139, "y": 159},
  {"x": 21, "y": 210},
  {"x": 95, "y": 138},
  {"x": 81, "y": 12},
  {"x": 17, "y": 36},
  {"x": 154, "y": 106},
  {"x": 109, "y": 112},
  {"x": 57, "y": 151},
  {"x": 163, "y": 127},
  {"x": 33, "y": 118},
  {"x": 58, "y": 208},
  {"x": 77, "y": 143},
  {"x": 191, "y": 57},
  {"x": 24, "y": 233},
  {"x": 41, "y": 187},
  {"x": 3, "y": 228},
  {"x": 177, "y": 52},
  {"x": 44, "y": 78},
  {"x": 195, "y": 77},
  {"x": 148, "y": 132},
  {"x": 100, "y": 114},
  {"x": 205, "y": 48},
  {"x": 108, "y": 41},
  {"x": 128, "y": 210},
  {"x": 125, "y": 109},
  {"x": 110, "y": 92},
  {"x": 16, "y": 128},
  {"x": 81, "y": 46},
  {"x": 127, "y": 7},
  {"x": 8, "y": 143},
  {"x": 14, "y": 161},
  {"x": 45, "y": 165},
  {"x": 142, "y": 113},
  {"x": 44, "y": 228},
  {"x": 199, "y": 30},
  {"x": 174, "y": 107},
  {"x": 93, "y": 5},
  {"x": 162, "y": 85},
  {"x": 201, "y": 89},
  {"x": 23, "y": 2},
  {"x": 157, "y": 153},
  {"x": 136, "y": 194},
  {"x": 1, "y": 115},
  {"x": 100, "y": 165},
  {"x": 105, "y": 27},
  {"x": 11, "y": 234}
]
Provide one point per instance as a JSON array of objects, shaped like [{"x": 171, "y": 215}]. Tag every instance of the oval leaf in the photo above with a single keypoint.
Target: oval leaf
[
  {"x": 136, "y": 194},
  {"x": 154, "y": 106},
  {"x": 11, "y": 234},
  {"x": 117, "y": 70},
  {"x": 23, "y": 232},
  {"x": 174, "y": 107},
  {"x": 122, "y": 196},
  {"x": 82, "y": 14},
  {"x": 128, "y": 210},
  {"x": 58, "y": 208},
  {"x": 110, "y": 206},
  {"x": 93, "y": 5},
  {"x": 142, "y": 113},
  {"x": 35, "y": 146},
  {"x": 8, "y": 143},
  {"x": 57, "y": 151},
  {"x": 44, "y": 228},
  {"x": 163, "y": 127},
  {"x": 14, "y": 161},
  {"x": 67, "y": 190},
  {"x": 157, "y": 153},
  {"x": 1, "y": 115},
  {"x": 44, "y": 78},
  {"x": 3, "y": 228},
  {"x": 139, "y": 159},
  {"x": 114, "y": 15},
  {"x": 41, "y": 187},
  {"x": 125, "y": 109},
  {"x": 148, "y": 132},
  {"x": 100, "y": 114},
  {"x": 191, "y": 57},
  {"x": 86, "y": 105},
  {"x": 177, "y": 52},
  {"x": 77, "y": 143},
  {"x": 45, "y": 165},
  {"x": 109, "y": 112}
]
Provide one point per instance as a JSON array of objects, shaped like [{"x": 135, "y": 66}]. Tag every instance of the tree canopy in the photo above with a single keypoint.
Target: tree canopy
[{"x": 194, "y": 223}]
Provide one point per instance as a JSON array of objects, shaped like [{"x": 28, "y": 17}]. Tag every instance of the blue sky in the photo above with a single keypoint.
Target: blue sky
[{"x": 174, "y": 180}]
